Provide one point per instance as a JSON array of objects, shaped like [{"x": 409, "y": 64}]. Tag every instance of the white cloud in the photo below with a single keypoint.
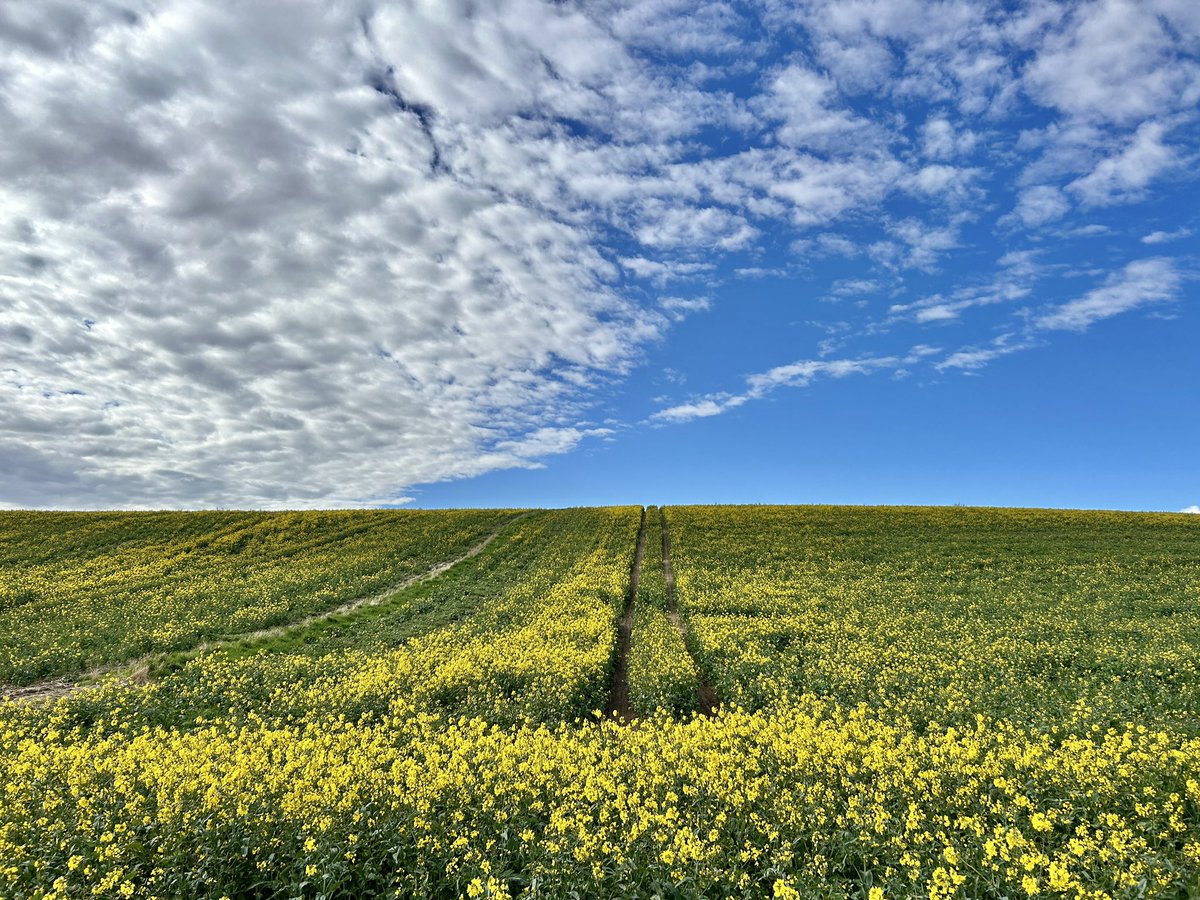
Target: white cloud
[
  {"x": 1124, "y": 176},
  {"x": 1162, "y": 237},
  {"x": 796, "y": 374},
  {"x": 950, "y": 183},
  {"x": 857, "y": 66},
  {"x": 807, "y": 104},
  {"x": 677, "y": 26},
  {"x": 973, "y": 358},
  {"x": 940, "y": 139},
  {"x": 819, "y": 191},
  {"x": 1018, "y": 272},
  {"x": 837, "y": 244},
  {"x": 321, "y": 254},
  {"x": 925, "y": 243},
  {"x": 661, "y": 272},
  {"x": 947, "y": 52},
  {"x": 546, "y": 441},
  {"x": 705, "y": 228},
  {"x": 313, "y": 257},
  {"x": 713, "y": 405},
  {"x": 1140, "y": 283},
  {"x": 760, "y": 272},
  {"x": 1093, "y": 230},
  {"x": 1193, "y": 509},
  {"x": 850, "y": 287},
  {"x": 940, "y": 313},
  {"x": 1041, "y": 204},
  {"x": 679, "y": 308},
  {"x": 1116, "y": 61}
]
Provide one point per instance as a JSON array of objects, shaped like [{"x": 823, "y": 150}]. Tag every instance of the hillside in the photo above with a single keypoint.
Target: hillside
[{"x": 688, "y": 701}]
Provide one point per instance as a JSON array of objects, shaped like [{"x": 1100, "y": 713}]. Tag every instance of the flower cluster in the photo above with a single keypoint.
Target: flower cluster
[
  {"x": 794, "y": 800},
  {"x": 1043, "y": 618}
]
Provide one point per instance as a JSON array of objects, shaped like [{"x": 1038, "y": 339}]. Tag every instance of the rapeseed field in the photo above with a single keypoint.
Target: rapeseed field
[{"x": 913, "y": 703}]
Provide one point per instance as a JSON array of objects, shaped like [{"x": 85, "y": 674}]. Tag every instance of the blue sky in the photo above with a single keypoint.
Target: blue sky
[{"x": 431, "y": 254}]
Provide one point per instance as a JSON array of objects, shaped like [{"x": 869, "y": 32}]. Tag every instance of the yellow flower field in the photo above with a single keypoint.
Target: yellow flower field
[
  {"x": 917, "y": 703},
  {"x": 83, "y": 589}
]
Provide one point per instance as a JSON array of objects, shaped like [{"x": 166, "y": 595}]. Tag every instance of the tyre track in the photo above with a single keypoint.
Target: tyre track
[
  {"x": 618, "y": 691},
  {"x": 707, "y": 700},
  {"x": 137, "y": 669}
]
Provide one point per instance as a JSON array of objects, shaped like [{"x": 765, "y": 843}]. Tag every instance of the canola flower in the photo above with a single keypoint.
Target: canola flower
[
  {"x": 662, "y": 673},
  {"x": 81, "y": 589},
  {"x": 804, "y": 796},
  {"x": 1046, "y": 618},
  {"x": 460, "y": 759}
]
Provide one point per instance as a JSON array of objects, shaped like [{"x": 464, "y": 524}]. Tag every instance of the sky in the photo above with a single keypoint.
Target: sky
[{"x": 523, "y": 253}]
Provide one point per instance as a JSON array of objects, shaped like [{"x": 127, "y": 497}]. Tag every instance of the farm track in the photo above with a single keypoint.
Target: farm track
[
  {"x": 618, "y": 692},
  {"x": 136, "y": 670},
  {"x": 707, "y": 700}
]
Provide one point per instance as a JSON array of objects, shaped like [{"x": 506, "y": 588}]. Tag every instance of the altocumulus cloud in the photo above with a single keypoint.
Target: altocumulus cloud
[
  {"x": 308, "y": 253},
  {"x": 947, "y": 94}
]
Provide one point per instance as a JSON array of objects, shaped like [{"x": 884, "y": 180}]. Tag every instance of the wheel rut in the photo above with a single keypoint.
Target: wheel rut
[
  {"x": 618, "y": 691},
  {"x": 137, "y": 669},
  {"x": 707, "y": 700}
]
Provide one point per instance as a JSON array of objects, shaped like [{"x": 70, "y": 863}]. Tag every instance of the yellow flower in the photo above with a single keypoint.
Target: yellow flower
[{"x": 1060, "y": 878}]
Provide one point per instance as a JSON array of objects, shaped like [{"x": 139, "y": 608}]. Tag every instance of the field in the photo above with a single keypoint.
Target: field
[
  {"x": 794, "y": 702},
  {"x": 79, "y": 590}
]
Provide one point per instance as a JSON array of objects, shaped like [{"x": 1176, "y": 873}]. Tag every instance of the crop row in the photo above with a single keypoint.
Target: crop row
[
  {"x": 887, "y": 730},
  {"x": 804, "y": 800},
  {"x": 524, "y": 631},
  {"x": 1046, "y": 619},
  {"x": 661, "y": 671},
  {"x": 79, "y": 590}
]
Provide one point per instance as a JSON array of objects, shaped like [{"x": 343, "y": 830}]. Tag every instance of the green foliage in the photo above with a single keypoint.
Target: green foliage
[
  {"x": 661, "y": 672},
  {"x": 1044, "y": 618},
  {"x": 79, "y": 590},
  {"x": 932, "y": 703}
]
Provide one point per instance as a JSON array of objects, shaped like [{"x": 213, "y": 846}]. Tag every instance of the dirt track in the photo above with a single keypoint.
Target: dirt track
[
  {"x": 618, "y": 692},
  {"x": 53, "y": 688}
]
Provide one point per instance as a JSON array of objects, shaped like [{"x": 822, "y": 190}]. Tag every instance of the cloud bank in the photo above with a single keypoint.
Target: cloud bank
[{"x": 313, "y": 254}]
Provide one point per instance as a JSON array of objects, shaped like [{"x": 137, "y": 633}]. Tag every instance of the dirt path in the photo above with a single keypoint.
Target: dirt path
[
  {"x": 708, "y": 701},
  {"x": 618, "y": 692},
  {"x": 43, "y": 690},
  {"x": 371, "y": 599},
  {"x": 136, "y": 669}
]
